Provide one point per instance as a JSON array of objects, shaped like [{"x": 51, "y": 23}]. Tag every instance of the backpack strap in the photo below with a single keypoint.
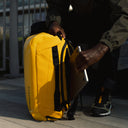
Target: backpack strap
[
  {"x": 57, "y": 90},
  {"x": 62, "y": 88}
]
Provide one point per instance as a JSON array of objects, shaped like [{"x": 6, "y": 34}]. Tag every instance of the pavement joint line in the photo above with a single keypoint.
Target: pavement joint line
[
  {"x": 119, "y": 117},
  {"x": 13, "y": 122},
  {"x": 99, "y": 122},
  {"x": 64, "y": 125}
]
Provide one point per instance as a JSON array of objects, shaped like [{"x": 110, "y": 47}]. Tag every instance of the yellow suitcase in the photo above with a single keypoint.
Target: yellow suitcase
[{"x": 46, "y": 63}]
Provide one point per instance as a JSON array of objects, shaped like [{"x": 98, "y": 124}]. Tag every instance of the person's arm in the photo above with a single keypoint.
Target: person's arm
[
  {"x": 111, "y": 39},
  {"x": 118, "y": 33},
  {"x": 91, "y": 56}
]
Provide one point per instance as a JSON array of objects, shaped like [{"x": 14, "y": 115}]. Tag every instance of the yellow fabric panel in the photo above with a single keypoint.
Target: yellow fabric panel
[
  {"x": 46, "y": 40},
  {"x": 46, "y": 82},
  {"x": 30, "y": 74}
]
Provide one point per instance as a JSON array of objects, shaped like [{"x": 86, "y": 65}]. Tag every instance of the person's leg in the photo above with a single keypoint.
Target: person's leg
[{"x": 107, "y": 81}]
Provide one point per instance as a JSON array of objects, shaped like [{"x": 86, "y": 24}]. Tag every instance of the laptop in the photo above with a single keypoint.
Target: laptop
[{"x": 78, "y": 79}]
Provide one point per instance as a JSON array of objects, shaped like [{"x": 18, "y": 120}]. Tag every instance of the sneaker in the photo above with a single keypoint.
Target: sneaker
[
  {"x": 70, "y": 116},
  {"x": 102, "y": 105}
]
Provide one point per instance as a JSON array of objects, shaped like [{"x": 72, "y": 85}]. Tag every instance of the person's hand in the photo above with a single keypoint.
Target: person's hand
[
  {"x": 91, "y": 56},
  {"x": 55, "y": 29}
]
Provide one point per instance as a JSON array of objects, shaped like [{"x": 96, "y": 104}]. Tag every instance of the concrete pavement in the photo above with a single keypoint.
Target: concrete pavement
[{"x": 14, "y": 112}]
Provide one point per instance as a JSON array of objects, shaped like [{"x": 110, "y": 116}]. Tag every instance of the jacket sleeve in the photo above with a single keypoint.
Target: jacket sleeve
[
  {"x": 118, "y": 33},
  {"x": 56, "y": 9}
]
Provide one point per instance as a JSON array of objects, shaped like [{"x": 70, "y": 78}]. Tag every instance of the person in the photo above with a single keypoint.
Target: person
[{"x": 100, "y": 27}]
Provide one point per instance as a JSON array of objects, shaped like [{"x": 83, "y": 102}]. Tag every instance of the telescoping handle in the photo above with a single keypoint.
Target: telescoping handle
[{"x": 85, "y": 71}]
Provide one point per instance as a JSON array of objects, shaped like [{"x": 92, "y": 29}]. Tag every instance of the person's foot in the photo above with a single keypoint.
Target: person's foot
[
  {"x": 102, "y": 105},
  {"x": 70, "y": 116}
]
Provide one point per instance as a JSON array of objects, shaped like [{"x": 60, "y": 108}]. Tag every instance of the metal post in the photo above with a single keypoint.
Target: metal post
[
  {"x": 45, "y": 8},
  {"x": 4, "y": 35},
  {"x": 4, "y": 38},
  {"x": 29, "y": 26},
  {"x": 34, "y": 10},
  {"x": 40, "y": 12},
  {"x": 13, "y": 45},
  {"x": 23, "y": 29},
  {"x": 23, "y": 20}
]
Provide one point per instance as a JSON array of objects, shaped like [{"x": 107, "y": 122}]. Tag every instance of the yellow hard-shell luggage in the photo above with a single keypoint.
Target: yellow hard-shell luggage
[{"x": 46, "y": 63}]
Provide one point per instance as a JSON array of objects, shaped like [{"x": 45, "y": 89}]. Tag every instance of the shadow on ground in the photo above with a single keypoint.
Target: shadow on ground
[{"x": 13, "y": 103}]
